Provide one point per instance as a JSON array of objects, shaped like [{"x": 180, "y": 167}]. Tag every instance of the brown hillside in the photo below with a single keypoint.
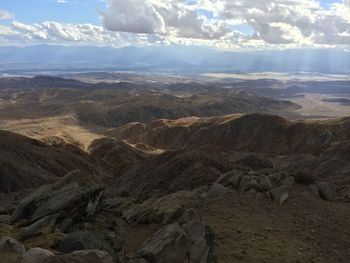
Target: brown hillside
[
  {"x": 28, "y": 163},
  {"x": 252, "y": 132}
]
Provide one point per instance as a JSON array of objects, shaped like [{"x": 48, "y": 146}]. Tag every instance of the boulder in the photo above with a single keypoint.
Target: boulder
[
  {"x": 65, "y": 225},
  {"x": 69, "y": 201},
  {"x": 253, "y": 185},
  {"x": 11, "y": 246},
  {"x": 36, "y": 255},
  {"x": 118, "y": 204},
  {"x": 166, "y": 209},
  {"x": 224, "y": 179},
  {"x": 245, "y": 180},
  {"x": 82, "y": 240},
  {"x": 168, "y": 245},
  {"x": 189, "y": 215},
  {"x": 217, "y": 190},
  {"x": 5, "y": 219},
  {"x": 236, "y": 179},
  {"x": 327, "y": 192},
  {"x": 265, "y": 183},
  {"x": 280, "y": 194},
  {"x": 84, "y": 256},
  {"x": 288, "y": 182},
  {"x": 112, "y": 240},
  {"x": 193, "y": 242},
  {"x": 201, "y": 245},
  {"x": 275, "y": 178},
  {"x": 36, "y": 228}
]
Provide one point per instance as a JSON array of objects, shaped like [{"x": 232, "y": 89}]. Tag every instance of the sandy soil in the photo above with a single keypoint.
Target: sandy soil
[{"x": 304, "y": 229}]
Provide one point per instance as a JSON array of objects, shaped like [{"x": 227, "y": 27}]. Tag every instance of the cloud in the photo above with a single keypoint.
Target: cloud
[
  {"x": 62, "y": 1},
  {"x": 230, "y": 24},
  {"x": 301, "y": 22},
  {"x": 168, "y": 18},
  {"x": 51, "y": 32},
  {"x": 4, "y": 14},
  {"x": 136, "y": 16}
]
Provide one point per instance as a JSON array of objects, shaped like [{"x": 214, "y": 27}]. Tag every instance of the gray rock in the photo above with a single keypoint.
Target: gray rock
[
  {"x": 36, "y": 255},
  {"x": 84, "y": 256},
  {"x": 280, "y": 194},
  {"x": 275, "y": 178},
  {"x": 245, "y": 180},
  {"x": 253, "y": 185},
  {"x": 217, "y": 190},
  {"x": 194, "y": 230},
  {"x": 193, "y": 243},
  {"x": 11, "y": 246},
  {"x": 288, "y": 182},
  {"x": 118, "y": 204},
  {"x": 235, "y": 178},
  {"x": 327, "y": 192},
  {"x": 113, "y": 240},
  {"x": 35, "y": 228},
  {"x": 166, "y": 209},
  {"x": 65, "y": 225},
  {"x": 201, "y": 245},
  {"x": 168, "y": 245},
  {"x": 82, "y": 240},
  {"x": 5, "y": 219},
  {"x": 69, "y": 201},
  {"x": 224, "y": 179},
  {"x": 189, "y": 215},
  {"x": 265, "y": 183}
]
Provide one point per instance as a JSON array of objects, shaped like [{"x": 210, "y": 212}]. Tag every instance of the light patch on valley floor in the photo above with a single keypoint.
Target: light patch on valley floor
[
  {"x": 279, "y": 76},
  {"x": 314, "y": 106}
]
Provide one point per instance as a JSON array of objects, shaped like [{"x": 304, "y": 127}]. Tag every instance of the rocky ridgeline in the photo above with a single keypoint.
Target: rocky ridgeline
[
  {"x": 277, "y": 185},
  {"x": 70, "y": 218},
  {"x": 63, "y": 215}
]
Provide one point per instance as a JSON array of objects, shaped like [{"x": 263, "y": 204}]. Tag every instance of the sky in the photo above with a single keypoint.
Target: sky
[{"x": 222, "y": 24}]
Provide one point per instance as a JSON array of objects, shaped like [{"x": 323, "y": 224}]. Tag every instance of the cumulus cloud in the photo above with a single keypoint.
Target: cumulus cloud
[
  {"x": 293, "y": 21},
  {"x": 4, "y": 14},
  {"x": 169, "y": 17},
  {"x": 302, "y": 22},
  {"x": 136, "y": 16},
  {"x": 51, "y": 32},
  {"x": 217, "y": 23}
]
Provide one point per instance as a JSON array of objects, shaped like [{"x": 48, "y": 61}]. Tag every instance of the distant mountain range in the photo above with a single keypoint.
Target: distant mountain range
[{"x": 171, "y": 59}]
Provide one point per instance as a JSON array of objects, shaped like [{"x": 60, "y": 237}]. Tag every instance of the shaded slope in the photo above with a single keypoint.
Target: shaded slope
[
  {"x": 252, "y": 132},
  {"x": 118, "y": 155},
  {"x": 27, "y": 163}
]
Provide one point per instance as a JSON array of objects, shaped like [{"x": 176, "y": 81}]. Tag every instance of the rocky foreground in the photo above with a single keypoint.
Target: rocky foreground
[{"x": 229, "y": 198}]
